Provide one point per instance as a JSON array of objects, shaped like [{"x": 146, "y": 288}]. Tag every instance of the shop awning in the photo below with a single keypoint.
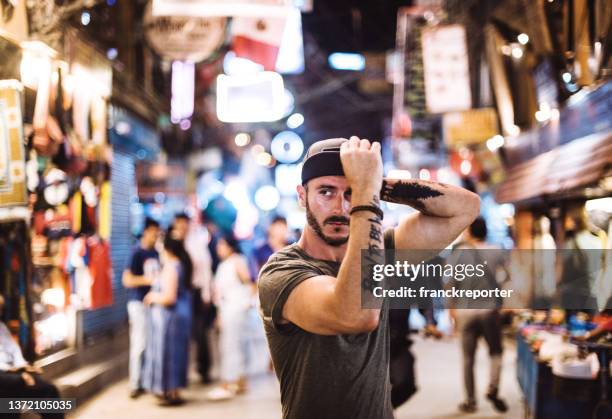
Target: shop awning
[{"x": 580, "y": 163}]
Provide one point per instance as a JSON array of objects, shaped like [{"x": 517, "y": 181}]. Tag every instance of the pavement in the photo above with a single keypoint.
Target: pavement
[{"x": 439, "y": 381}]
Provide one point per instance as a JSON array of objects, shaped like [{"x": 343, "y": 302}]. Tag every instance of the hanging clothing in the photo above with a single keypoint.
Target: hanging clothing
[
  {"x": 105, "y": 211},
  {"x": 100, "y": 269}
]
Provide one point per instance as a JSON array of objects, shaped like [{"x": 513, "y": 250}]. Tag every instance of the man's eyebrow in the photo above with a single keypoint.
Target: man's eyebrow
[{"x": 326, "y": 187}]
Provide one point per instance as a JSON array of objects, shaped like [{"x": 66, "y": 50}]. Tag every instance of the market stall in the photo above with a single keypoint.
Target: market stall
[
  {"x": 558, "y": 177},
  {"x": 558, "y": 377},
  {"x": 55, "y": 193}
]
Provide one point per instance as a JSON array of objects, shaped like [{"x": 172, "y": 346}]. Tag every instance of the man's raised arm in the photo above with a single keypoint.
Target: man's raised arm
[
  {"x": 327, "y": 305},
  {"x": 444, "y": 212}
]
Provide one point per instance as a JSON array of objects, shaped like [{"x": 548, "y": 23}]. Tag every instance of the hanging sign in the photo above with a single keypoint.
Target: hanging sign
[
  {"x": 184, "y": 38},
  {"x": 445, "y": 63},
  {"x": 12, "y": 155},
  {"x": 469, "y": 127}
]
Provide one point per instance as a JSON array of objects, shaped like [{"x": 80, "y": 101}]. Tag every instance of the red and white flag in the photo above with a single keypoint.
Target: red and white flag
[{"x": 258, "y": 39}]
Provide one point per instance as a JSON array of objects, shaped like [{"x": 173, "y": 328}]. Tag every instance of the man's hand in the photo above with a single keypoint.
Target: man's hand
[
  {"x": 148, "y": 298},
  {"x": 362, "y": 164},
  {"x": 28, "y": 379},
  {"x": 33, "y": 369}
]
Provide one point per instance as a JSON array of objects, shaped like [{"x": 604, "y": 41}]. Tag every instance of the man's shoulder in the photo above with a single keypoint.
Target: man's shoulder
[
  {"x": 283, "y": 265},
  {"x": 287, "y": 256}
]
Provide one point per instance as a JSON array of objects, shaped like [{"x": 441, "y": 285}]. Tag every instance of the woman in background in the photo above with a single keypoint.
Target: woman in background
[
  {"x": 168, "y": 335},
  {"x": 235, "y": 295}
]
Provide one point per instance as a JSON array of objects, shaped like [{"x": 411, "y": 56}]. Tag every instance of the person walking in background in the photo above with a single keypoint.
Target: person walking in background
[
  {"x": 473, "y": 323},
  {"x": 168, "y": 332},
  {"x": 582, "y": 260},
  {"x": 276, "y": 239},
  {"x": 213, "y": 234},
  {"x": 141, "y": 270},
  {"x": 544, "y": 262},
  {"x": 235, "y": 293},
  {"x": 195, "y": 239}
]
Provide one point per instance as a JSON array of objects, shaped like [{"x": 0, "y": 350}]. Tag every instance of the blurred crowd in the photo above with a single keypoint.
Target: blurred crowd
[{"x": 193, "y": 282}]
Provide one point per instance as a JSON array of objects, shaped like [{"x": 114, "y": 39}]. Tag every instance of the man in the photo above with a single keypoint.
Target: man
[
  {"x": 142, "y": 267},
  {"x": 195, "y": 240},
  {"x": 276, "y": 240},
  {"x": 332, "y": 356},
  {"x": 480, "y": 322},
  {"x": 213, "y": 233},
  {"x": 19, "y": 379}
]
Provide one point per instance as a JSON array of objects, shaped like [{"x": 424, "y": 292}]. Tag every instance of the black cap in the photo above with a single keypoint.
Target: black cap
[{"x": 323, "y": 159}]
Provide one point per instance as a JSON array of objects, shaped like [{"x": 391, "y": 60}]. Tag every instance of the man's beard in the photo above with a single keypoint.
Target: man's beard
[{"x": 318, "y": 229}]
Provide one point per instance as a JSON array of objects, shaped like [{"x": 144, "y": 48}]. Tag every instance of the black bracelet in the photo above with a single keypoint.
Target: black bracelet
[{"x": 372, "y": 208}]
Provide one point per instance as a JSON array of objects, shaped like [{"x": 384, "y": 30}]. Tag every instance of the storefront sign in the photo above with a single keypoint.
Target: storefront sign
[
  {"x": 183, "y": 37},
  {"x": 13, "y": 19},
  {"x": 155, "y": 179},
  {"x": 12, "y": 157},
  {"x": 373, "y": 79},
  {"x": 410, "y": 115},
  {"x": 445, "y": 62},
  {"x": 469, "y": 127}
]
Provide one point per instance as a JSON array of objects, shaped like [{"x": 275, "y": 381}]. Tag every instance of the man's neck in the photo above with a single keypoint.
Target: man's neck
[{"x": 312, "y": 244}]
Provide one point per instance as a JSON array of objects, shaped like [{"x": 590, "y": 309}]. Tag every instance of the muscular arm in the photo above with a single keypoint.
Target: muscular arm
[
  {"x": 444, "y": 212},
  {"x": 328, "y": 306}
]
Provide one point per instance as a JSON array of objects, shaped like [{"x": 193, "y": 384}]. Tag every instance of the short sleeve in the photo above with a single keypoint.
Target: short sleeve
[
  {"x": 136, "y": 263},
  {"x": 276, "y": 281},
  {"x": 389, "y": 239}
]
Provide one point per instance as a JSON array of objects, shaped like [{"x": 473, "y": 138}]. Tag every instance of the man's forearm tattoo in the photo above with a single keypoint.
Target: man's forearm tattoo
[
  {"x": 410, "y": 193},
  {"x": 376, "y": 233},
  {"x": 375, "y": 243}
]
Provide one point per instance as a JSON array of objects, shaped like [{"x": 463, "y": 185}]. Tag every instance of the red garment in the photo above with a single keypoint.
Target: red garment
[
  {"x": 607, "y": 325},
  {"x": 39, "y": 222},
  {"x": 100, "y": 268}
]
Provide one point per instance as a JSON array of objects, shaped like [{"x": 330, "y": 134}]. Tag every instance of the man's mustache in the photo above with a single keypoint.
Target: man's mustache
[{"x": 336, "y": 219}]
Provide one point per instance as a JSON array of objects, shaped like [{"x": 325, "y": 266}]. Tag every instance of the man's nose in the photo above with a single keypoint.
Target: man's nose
[{"x": 342, "y": 205}]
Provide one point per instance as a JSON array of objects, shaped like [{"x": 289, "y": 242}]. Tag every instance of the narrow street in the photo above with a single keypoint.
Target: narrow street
[{"x": 439, "y": 381}]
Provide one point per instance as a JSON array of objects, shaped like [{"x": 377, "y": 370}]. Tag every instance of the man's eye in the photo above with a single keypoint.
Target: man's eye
[{"x": 326, "y": 192}]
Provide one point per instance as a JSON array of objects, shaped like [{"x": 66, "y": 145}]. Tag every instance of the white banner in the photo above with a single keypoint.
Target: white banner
[
  {"x": 222, "y": 8},
  {"x": 447, "y": 75}
]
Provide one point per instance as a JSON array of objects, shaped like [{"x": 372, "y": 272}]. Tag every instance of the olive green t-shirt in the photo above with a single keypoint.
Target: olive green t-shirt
[{"x": 340, "y": 376}]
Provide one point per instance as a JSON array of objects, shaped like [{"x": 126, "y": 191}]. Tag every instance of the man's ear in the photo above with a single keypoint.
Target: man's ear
[{"x": 301, "y": 191}]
